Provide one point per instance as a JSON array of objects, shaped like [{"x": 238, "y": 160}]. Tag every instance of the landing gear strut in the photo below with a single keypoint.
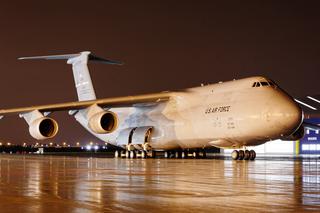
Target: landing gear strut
[{"x": 243, "y": 155}]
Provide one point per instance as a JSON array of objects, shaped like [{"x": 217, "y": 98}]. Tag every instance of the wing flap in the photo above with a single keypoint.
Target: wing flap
[{"x": 107, "y": 102}]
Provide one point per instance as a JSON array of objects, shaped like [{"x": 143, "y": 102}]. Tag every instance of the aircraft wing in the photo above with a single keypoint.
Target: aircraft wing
[{"x": 107, "y": 102}]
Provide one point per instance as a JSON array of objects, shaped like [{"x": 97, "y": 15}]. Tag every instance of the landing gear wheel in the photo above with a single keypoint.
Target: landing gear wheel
[
  {"x": 177, "y": 154},
  {"x": 132, "y": 154},
  {"x": 116, "y": 154},
  {"x": 127, "y": 154},
  {"x": 246, "y": 155},
  {"x": 241, "y": 154},
  {"x": 183, "y": 154},
  {"x": 143, "y": 154},
  {"x": 195, "y": 154},
  {"x": 252, "y": 155},
  {"x": 166, "y": 154},
  {"x": 235, "y": 155}
]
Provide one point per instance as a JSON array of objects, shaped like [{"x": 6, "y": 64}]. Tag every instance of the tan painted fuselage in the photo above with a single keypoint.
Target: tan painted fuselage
[{"x": 227, "y": 115}]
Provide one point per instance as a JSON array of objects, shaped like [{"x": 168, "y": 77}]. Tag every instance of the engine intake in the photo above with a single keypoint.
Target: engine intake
[
  {"x": 103, "y": 122},
  {"x": 43, "y": 128}
]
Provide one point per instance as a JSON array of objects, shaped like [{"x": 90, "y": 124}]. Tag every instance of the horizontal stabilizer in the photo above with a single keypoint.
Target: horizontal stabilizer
[{"x": 91, "y": 57}]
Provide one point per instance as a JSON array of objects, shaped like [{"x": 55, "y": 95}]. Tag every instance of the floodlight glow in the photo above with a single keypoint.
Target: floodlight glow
[
  {"x": 304, "y": 104},
  {"x": 314, "y": 99}
]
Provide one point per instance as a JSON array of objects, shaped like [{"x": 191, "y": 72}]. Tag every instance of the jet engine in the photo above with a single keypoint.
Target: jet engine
[
  {"x": 103, "y": 122},
  {"x": 43, "y": 128},
  {"x": 298, "y": 134}
]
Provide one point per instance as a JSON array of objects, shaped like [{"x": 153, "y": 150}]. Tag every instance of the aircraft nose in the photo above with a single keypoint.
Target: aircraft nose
[{"x": 290, "y": 116}]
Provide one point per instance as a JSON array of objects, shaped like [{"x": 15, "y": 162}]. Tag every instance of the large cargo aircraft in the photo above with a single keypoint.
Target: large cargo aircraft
[{"x": 234, "y": 114}]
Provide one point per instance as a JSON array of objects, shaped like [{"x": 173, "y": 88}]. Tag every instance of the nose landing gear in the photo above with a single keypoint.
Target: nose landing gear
[{"x": 243, "y": 155}]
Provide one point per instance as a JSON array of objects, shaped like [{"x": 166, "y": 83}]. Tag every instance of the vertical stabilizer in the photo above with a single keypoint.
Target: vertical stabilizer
[
  {"x": 80, "y": 69},
  {"x": 82, "y": 77}
]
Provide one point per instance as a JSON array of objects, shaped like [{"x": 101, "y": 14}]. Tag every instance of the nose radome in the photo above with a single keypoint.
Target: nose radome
[{"x": 292, "y": 116}]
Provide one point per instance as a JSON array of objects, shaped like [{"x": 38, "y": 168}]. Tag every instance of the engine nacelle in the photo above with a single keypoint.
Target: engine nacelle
[
  {"x": 103, "y": 122},
  {"x": 296, "y": 135},
  {"x": 43, "y": 128}
]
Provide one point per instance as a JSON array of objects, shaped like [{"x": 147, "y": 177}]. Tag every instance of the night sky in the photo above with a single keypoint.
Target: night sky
[{"x": 165, "y": 45}]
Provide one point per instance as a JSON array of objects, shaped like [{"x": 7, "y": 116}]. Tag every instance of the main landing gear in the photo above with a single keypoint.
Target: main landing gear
[
  {"x": 243, "y": 155},
  {"x": 185, "y": 154},
  {"x": 134, "y": 154}
]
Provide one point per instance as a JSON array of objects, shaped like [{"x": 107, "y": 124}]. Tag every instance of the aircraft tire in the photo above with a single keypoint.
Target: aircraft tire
[
  {"x": 235, "y": 155},
  {"x": 116, "y": 154},
  {"x": 195, "y": 154},
  {"x": 166, "y": 154},
  {"x": 177, "y": 154},
  {"x": 127, "y": 154},
  {"x": 252, "y": 155},
  {"x": 246, "y": 155},
  {"x": 183, "y": 154},
  {"x": 132, "y": 154},
  {"x": 241, "y": 154},
  {"x": 143, "y": 154}
]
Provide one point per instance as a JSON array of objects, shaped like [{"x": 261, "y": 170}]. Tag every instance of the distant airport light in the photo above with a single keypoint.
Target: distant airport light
[
  {"x": 304, "y": 104},
  {"x": 88, "y": 147},
  {"x": 0, "y": 144},
  {"x": 50, "y": 143},
  {"x": 91, "y": 143},
  {"x": 64, "y": 143},
  {"x": 96, "y": 147},
  {"x": 9, "y": 144},
  {"x": 314, "y": 99},
  {"x": 78, "y": 144},
  {"x": 24, "y": 144}
]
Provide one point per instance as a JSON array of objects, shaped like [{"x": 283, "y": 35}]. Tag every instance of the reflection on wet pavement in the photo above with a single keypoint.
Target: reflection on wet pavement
[{"x": 77, "y": 184}]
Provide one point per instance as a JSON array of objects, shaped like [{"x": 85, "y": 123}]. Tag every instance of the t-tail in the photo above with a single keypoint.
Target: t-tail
[{"x": 80, "y": 69}]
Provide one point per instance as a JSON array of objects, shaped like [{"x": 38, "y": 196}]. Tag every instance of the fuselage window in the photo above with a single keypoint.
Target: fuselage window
[
  {"x": 254, "y": 84},
  {"x": 257, "y": 84},
  {"x": 264, "y": 83}
]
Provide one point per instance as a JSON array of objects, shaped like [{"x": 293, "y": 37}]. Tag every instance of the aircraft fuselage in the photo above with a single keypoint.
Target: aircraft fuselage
[{"x": 227, "y": 115}]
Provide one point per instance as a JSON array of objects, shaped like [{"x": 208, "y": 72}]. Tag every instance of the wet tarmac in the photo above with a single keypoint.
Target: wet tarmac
[{"x": 78, "y": 184}]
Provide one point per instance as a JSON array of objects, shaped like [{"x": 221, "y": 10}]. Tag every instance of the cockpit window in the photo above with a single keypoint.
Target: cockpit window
[{"x": 265, "y": 83}]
